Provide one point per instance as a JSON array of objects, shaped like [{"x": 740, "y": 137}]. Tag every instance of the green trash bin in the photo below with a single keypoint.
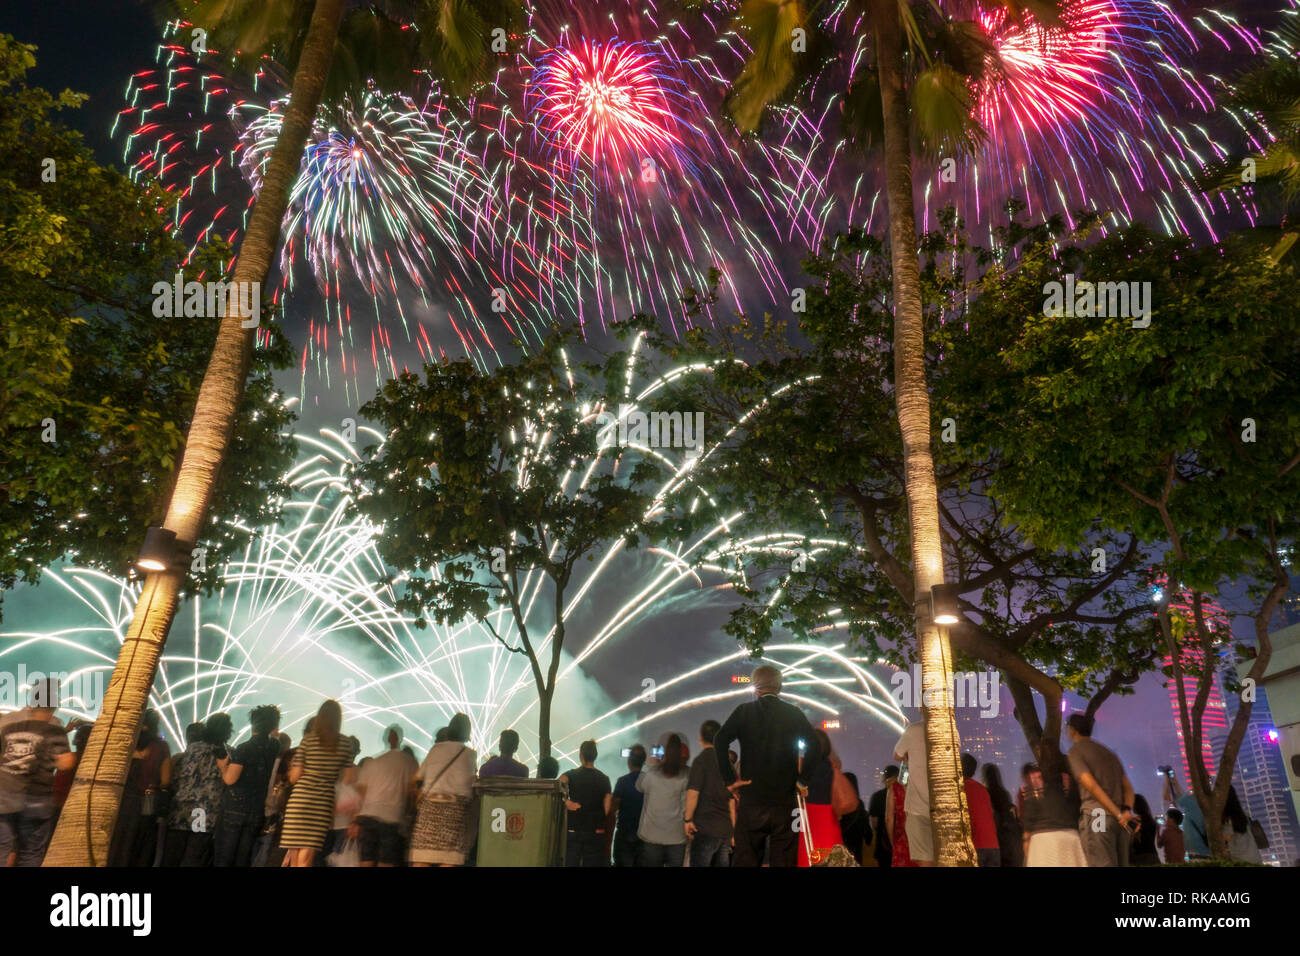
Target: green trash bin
[{"x": 521, "y": 822}]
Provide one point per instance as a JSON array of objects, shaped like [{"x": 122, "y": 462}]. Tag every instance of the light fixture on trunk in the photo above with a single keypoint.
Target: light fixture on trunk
[
  {"x": 943, "y": 604},
  {"x": 159, "y": 549}
]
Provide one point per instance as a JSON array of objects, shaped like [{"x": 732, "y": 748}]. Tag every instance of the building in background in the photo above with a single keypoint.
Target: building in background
[
  {"x": 996, "y": 739},
  {"x": 1214, "y": 721},
  {"x": 1261, "y": 782},
  {"x": 1275, "y": 735}
]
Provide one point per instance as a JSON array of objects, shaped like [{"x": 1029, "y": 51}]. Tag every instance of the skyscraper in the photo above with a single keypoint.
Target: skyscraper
[
  {"x": 1214, "y": 720},
  {"x": 1262, "y": 785}
]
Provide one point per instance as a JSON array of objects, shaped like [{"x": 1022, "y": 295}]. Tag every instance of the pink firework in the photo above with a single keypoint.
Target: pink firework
[
  {"x": 606, "y": 102},
  {"x": 1049, "y": 77}
]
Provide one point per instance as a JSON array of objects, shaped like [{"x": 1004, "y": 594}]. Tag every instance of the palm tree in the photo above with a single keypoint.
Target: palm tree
[
  {"x": 1269, "y": 94},
  {"x": 310, "y": 35},
  {"x": 923, "y": 82}
]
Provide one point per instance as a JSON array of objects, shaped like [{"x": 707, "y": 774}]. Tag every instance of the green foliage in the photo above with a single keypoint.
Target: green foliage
[
  {"x": 768, "y": 26},
  {"x": 1269, "y": 91},
  {"x": 946, "y": 58},
  {"x": 483, "y": 478},
  {"x": 941, "y": 110},
  {"x": 82, "y": 348},
  {"x": 1146, "y": 428}
]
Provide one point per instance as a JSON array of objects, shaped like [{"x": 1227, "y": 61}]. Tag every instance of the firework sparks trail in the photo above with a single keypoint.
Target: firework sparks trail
[
  {"x": 1108, "y": 112},
  {"x": 303, "y": 618}
]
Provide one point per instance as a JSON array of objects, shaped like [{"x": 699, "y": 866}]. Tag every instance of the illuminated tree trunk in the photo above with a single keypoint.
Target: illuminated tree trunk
[
  {"x": 86, "y": 824},
  {"x": 952, "y": 835}
]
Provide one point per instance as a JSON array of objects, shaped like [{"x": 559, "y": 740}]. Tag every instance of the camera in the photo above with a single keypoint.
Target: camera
[
  {"x": 657, "y": 753},
  {"x": 1164, "y": 771}
]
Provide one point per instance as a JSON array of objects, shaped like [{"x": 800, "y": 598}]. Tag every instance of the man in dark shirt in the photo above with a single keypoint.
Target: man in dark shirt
[
  {"x": 627, "y": 805},
  {"x": 876, "y": 810},
  {"x": 710, "y": 812},
  {"x": 243, "y": 799},
  {"x": 32, "y": 746},
  {"x": 772, "y": 735},
  {"x": 505, "y": 765},
  {"x": 588, "y": 804}
]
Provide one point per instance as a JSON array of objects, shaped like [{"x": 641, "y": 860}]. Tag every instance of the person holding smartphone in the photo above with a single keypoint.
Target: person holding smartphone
[{"x": 662, "y": 828}]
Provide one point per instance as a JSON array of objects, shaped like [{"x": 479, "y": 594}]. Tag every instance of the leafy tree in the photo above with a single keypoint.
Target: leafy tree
[
  {"x": 914, "y": 91},
  {"x": 94, "y": 391},
  {"x": 1186, "y": 431},
  {"x": 491, "y": 488},
  {"x": 814, "y": 446}
]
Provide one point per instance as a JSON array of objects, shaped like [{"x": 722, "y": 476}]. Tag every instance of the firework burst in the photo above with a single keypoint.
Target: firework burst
[
  {"x": 606, "y": 103},
  {"x": 1107, "y": 112}
]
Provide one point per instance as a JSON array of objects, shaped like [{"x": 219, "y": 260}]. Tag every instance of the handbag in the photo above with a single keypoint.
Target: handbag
[
  {"x": 349, "y": 854},
  {"x": 155, "y": 802},
  {"x": 277, "y": 794},
  {"x": 838, "y": 855},
  {"x": 843, "y": 798}
]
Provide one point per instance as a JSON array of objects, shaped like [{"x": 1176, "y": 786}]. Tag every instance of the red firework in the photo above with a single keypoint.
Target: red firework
[{"x": 604, "y": 102}]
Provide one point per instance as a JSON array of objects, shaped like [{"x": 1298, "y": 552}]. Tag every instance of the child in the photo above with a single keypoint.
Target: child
[{"x": 1171, "y": 836}]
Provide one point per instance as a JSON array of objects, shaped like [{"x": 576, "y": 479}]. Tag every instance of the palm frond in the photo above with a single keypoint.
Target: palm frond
[
  {"x": 768, "y": 26},
  {"x": 941, "y": 110},
  {"x": 245, "y": 31}
]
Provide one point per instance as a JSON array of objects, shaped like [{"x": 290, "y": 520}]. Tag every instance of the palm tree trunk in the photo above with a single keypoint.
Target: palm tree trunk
[
  {"x": 86, "y": 825},
  {"x": 952, "y": 832}
]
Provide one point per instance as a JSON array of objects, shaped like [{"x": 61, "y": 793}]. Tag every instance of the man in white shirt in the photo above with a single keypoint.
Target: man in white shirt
[
  {"x": 920, "y": 838},
  {"x": 385, "y": 783}
]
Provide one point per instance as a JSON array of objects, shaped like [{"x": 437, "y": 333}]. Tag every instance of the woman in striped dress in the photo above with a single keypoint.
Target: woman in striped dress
[{"x": 322, "y": 756}]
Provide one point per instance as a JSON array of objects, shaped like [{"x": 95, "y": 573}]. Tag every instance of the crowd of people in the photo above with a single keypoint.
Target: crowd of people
[
  {"x": 784, "y": 800},
  {"x": 1084, "y": 814}
]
